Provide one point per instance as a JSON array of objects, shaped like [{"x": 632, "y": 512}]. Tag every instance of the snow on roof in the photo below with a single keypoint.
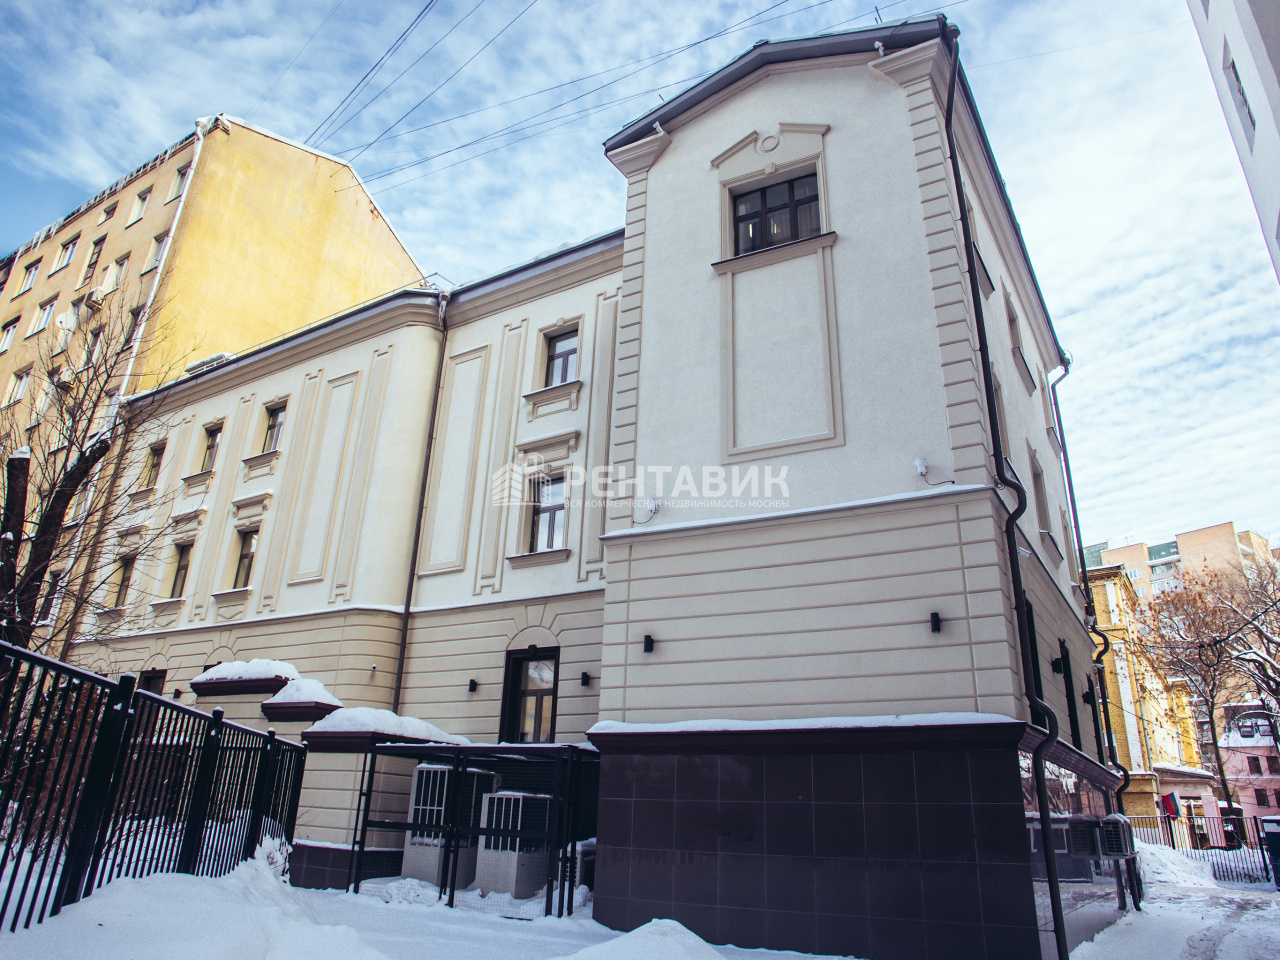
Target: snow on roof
[
  {"x": 373, "y": 720},
  {"x": 1234, "y": 740},
  {"x": 304, "y": 690},
  {"x": 256, "y": 669},
  {"x": 1189, "y": 771},
  {"x": 815, "y": 723}
]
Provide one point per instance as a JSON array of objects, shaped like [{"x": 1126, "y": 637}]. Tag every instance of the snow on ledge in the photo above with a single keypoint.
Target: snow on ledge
[
  {"x": 814, "y": 723},
  {"x": 305, "y": 690},
  {"x": 252, "y": 670},
  {"x": 373, "y": 720}
]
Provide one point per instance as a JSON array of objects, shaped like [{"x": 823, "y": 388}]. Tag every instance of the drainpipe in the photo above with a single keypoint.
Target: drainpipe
[
  {"x": 949, "y": 33},
  {"x": 92, "y": 482},
  {"x": 411, "y": 578},
  {"x": 1090, "y": 611}
]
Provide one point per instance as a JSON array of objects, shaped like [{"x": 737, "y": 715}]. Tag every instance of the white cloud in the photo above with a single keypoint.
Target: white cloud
[{"x": 1115, "y": 152}]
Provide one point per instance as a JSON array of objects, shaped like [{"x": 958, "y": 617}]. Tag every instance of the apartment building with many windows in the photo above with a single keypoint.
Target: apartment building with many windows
[
  {"x": 221, "y": 241},
  {"x": 733, "y": 492},
  {"x": 1241, "y": 41}
]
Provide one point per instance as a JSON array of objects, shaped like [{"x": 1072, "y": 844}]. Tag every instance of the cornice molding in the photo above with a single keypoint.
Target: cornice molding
[
  {"x": 536, "y": 286},
  {"x": 638, "y": 157}
]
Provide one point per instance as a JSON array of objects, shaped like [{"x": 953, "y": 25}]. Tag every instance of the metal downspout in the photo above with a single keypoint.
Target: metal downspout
[
  {"x": 1090, "y": 611},
  {"x": 950, "y": 33},
  {"x": 412, "y": 576}
]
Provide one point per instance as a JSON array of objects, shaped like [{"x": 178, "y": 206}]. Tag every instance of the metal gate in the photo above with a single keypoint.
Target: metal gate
[{"x": 1233, "y": 846}]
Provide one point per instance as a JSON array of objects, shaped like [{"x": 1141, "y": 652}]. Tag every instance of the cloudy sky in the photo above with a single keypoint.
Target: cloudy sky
[{"x": 488, "y": 118}]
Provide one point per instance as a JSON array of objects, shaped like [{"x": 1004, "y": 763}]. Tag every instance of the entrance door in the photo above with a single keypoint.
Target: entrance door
[{"x": 529, "y": 696}]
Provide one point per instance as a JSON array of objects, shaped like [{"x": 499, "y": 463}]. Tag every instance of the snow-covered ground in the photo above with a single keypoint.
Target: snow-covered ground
[{"x": 251, "y": 915}]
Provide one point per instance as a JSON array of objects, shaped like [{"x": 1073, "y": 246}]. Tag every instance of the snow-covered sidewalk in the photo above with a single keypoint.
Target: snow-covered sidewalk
[{"x": 251, "y": 915}]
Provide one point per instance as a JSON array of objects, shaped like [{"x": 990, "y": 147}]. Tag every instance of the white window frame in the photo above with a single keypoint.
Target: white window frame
[
  {"x": 156, "y": 253},
  {"x": 7, "y": 333},
  {"x": 179, "y": 182},
  {"x": 116, "y": 270},
  {"x": 140, "y": 203},
  {"x": 29, "y": 277},
  {"x": 42, "y": 317},
  {"x": 17, "y": 387},
  {"x": 66, "y": 253}
]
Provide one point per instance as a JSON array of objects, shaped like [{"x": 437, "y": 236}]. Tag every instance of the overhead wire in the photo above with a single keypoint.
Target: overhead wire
[
  {"x": 656, "y": 58},
  {"x": 271, "y": 89},
  {"x": 368, "y": 103},
  {"x": 372, "y": 71},
  {"x": 510, "y": 23}
]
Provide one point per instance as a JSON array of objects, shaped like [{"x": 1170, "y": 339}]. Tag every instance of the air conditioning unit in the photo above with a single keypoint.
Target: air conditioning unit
[
  {"x": 511, "y": 864},
  {"x": 1116, "y": 838},
  {"x": 428, "y": 804},
  {"x": 1082, "y": 837},
  {"x": 95, "y": 298}
]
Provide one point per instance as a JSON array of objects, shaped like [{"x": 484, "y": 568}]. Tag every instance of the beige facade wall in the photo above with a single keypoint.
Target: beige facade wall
[
  {"x": 810, "y": 615},
  {"x": 447, "y": 648}
]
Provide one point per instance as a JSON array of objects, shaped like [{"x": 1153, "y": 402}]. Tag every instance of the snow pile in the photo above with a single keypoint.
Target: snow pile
[
  {"x": 1161, "y": 864},
  {"x": 249, "y": 914},
  {"x": 253, "y": 670},
  {"x": 305, "y": 691},
  {"x": 412, "y": 890},
  {"x": 656, "y": 940},
  {"x": 815, "y": 723},
  {"x": 372, "y": 720}
]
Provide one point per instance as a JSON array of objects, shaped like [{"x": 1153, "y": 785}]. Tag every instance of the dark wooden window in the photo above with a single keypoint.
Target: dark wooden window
[
  {"x": 211, "y": 437},
  {"x": 50, "y": 595},
  {"x": 547, "y": 529},
  {"x": 562, "y": 358},
  {"x": 776, "y": 214},
  {"x": 131, "y": 331},
  {"x": 529, "y": 696},
  {"x": 122, "y": 585},
  {"x": 1273, "y": 764},
  {"x": 1260, "y": 796},
  {"x": 152, "y": 681},
  {"x": 1255, "y": 765},
  {"x": 244, "y": 565},
  {"x": 151, "y": 472},
  {"x": 95, "y": 253},
  {"x": 275, "y": 426},
  {"x": 180, "y": 571}
]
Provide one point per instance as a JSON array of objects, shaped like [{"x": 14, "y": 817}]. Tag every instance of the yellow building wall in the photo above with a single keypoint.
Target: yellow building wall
[{"x": 273, "y": 237}]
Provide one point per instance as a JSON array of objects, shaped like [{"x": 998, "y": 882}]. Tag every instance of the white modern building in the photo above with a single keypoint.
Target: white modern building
[
  {"x": 1241, "y": 40},
  {"x": 782, "y": 448}
]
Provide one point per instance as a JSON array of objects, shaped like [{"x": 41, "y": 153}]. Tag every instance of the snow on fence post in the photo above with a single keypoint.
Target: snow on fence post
[
  {"x": 266, "y": 777},
  {"x": 201, "y": 794},
  {"x": 92, "y": 813}
]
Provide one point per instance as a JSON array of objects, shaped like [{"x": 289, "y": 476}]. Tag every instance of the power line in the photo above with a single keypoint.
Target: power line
[
  {"x": 509, "y": 24},
  {"x": 386, "y": 55},
  {"x": 271, "y": 89},
  {"x": 657, "y": 58},
  {"x": 1078, "y": 46},
  {"x": 370, "y": 101}
]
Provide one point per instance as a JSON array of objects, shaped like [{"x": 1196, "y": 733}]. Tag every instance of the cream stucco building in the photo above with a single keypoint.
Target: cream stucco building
[{"x": 735, "y": 461}]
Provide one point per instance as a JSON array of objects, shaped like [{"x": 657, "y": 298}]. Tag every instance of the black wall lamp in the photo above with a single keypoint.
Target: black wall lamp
[
  {"x": 935, "y": 623},
  {"x": 472, "y": 686},
  {"x": 648, "y": 643},
  {"x": 586, "y": 679}
]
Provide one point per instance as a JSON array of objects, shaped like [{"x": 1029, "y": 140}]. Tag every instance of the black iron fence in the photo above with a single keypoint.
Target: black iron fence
[
  {"x": 99, "y": 780},
  {"x": 505, "y": 829},
  {"x": 1232, "y": 846}
]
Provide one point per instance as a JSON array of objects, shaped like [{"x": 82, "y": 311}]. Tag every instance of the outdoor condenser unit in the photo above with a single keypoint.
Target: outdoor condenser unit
[
  {"x": 511, "y": 864},
  {"x": 1082, "y": 837},
  {"x": 428, "y": 803},
  {"x": 1117, "y": 838}
]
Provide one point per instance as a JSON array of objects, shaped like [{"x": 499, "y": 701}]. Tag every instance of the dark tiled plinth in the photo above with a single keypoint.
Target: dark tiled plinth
[
  {"x": 867, "y": 852},
  {"x": 328, "y": 868}
]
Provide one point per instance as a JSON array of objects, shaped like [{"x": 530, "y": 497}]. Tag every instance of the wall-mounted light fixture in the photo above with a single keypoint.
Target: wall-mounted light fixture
[
  {"x": 472, "y": 686},
  {"x": 1056, "y": 663},
  {"x": 586, "y": 679},
  {"x": 935, "y": 623},
  {"x": 648, "y": 643}
]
